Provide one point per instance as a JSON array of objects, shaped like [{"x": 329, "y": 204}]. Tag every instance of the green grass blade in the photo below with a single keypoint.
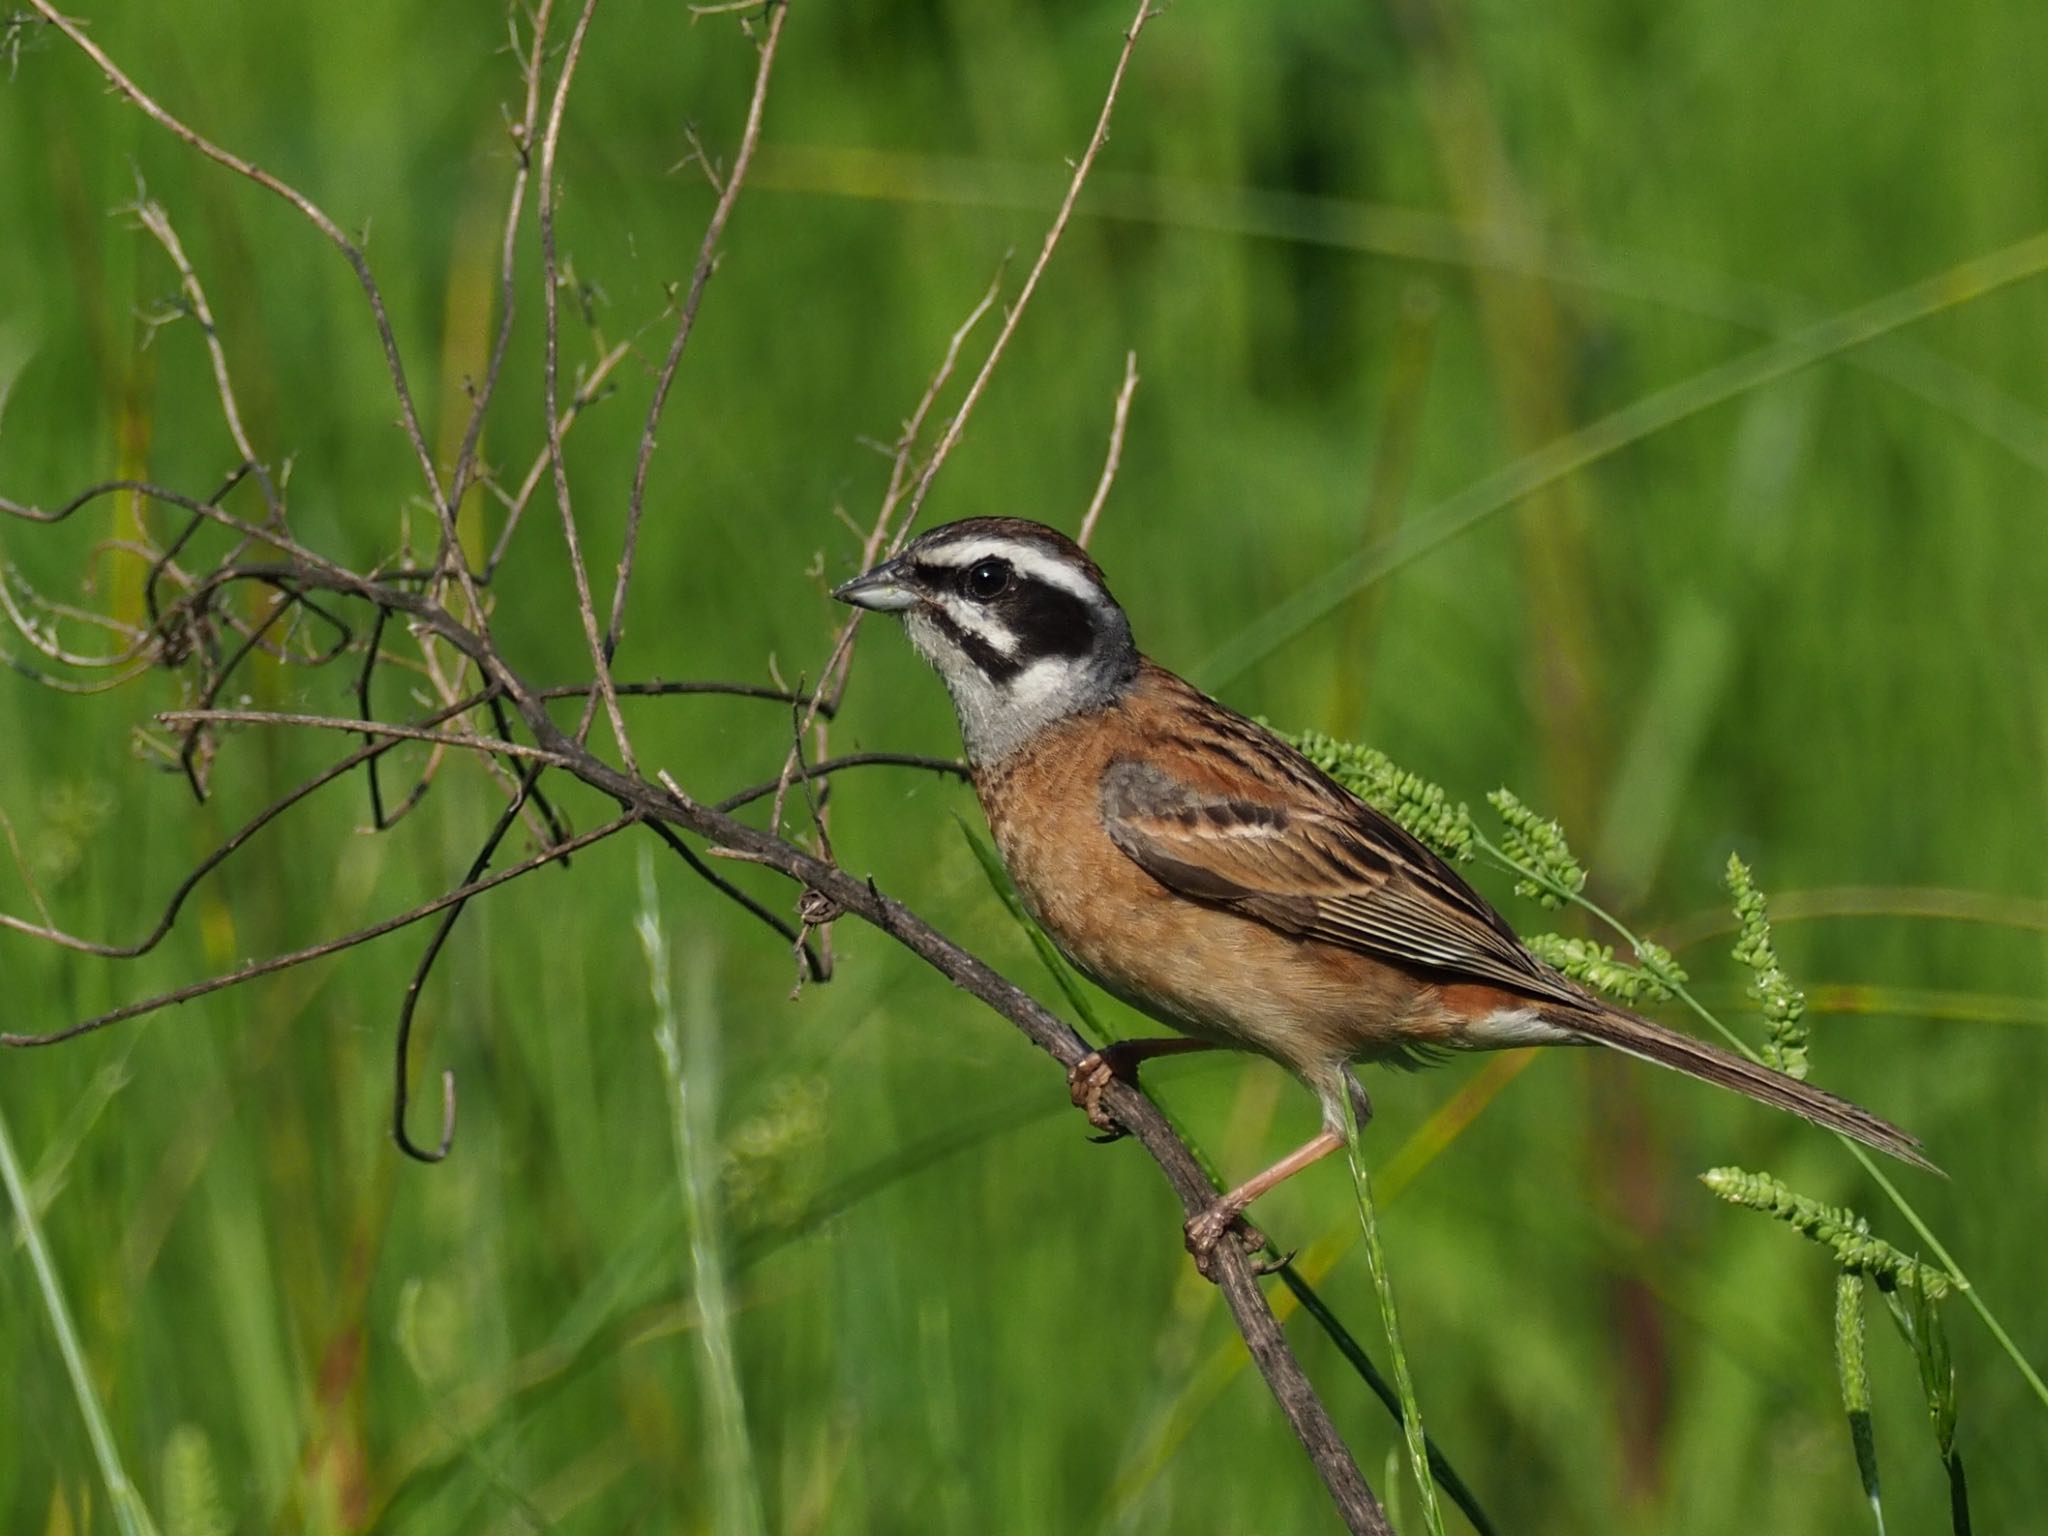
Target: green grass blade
[
  {"x": 688, "y": 1050},
  {"x": 1566, "y": 456},
  {"x": 130, "y": 1514},
  {"x": 1919, "y": 1322},
  {"x": 1899, "y": 1202},
  {"x": 1454, "y": 1486},
  {"x": 1404, "y": 1385},
  {"x": 1852, "y": 1369}
]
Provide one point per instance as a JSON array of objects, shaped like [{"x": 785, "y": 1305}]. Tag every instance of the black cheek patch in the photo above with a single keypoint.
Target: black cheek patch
[
  {"x": 991, "y": 663},
  {"x": 1048, "y": 620}
]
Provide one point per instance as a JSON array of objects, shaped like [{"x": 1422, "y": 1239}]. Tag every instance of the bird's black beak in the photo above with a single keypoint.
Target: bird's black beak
[{"x": 886, "y": 589}]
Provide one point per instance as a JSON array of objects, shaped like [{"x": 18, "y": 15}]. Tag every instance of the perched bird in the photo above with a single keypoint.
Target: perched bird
[{"x": 1198, "y": 867}]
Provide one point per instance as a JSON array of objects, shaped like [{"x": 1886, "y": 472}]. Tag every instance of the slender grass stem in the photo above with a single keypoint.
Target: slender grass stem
[
  {"x": 1850, "y": 1366},
  {"x": 1440, "y": 1468},
  {"x": 1827, "y": 337},
  {"x": 690, "y": 1075},
  {"x": 1404, "y": 1384},
  {"x": 131, "y": 1516},
  {"x": 1899, "y": 1202}
]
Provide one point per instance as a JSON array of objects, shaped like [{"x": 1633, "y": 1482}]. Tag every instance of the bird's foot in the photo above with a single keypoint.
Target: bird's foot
[
  {"x": 1207, "y": 1229},
  {"x": 1089, "y": 1078}
]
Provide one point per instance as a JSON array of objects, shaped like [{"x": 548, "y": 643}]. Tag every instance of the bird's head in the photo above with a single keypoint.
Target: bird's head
[{"x": 1016, "y": 619}]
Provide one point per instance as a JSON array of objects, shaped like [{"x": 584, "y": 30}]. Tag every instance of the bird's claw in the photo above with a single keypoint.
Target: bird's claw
[
  {"x": 1086, "y": 1081},
  {"x": 1206, "y": 1230}
]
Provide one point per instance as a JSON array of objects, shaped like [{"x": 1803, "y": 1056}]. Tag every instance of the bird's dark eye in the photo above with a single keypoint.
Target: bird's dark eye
[{"x": 986, "y": 579}]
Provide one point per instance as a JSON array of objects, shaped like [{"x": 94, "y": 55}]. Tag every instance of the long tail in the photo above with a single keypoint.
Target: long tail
[{"x": 1635, "y": 1036}]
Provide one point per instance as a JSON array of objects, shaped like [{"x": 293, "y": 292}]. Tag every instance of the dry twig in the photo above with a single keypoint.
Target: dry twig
[{"x": 1115, "y": 456}]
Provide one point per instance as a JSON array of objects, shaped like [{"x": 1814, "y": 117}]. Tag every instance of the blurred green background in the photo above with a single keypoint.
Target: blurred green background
[{"x": 1365, "y": 256}]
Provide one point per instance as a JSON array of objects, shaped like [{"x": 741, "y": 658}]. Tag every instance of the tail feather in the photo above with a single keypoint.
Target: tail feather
[{"x": 1634, "y": 1036}]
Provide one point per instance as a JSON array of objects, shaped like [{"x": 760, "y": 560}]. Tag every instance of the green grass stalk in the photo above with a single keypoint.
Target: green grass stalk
[
  {"x": 1706, "y": 1015},
  {"x": 689, "y": 1063},
  {"x": 131, "y": 1515},
  {"x": 1404, "y": 1383},
  {"x": 1825, "y": 338},
  {"x": 1853, "y": 1370}
]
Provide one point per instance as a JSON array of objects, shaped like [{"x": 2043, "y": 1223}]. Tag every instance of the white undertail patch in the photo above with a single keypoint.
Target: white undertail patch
[{"x": 1506, "y": 1028}]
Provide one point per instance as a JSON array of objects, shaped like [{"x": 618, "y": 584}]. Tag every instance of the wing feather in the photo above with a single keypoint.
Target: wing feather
[{"x": 1318, "y": 864}]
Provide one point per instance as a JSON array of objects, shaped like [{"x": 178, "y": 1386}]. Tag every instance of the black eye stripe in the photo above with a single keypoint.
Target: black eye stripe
[{"x": 1047, "y": 620}]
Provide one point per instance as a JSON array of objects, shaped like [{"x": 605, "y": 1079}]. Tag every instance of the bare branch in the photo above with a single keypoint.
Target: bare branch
[
  {"x": 459, "y": 476},
  {"x": 711, "y": 877},
  {"x": 28, "y": 876},
  {"x": 825, "y": 769},
  {"x": 362, "y": 727},
  {"x": 1114, "y": 458},
  {"x": 379, "y": 822},
  {"x": 686, "y": 321},
  {"x": 832, "y": 676},
  {"x": 49, "y": 932},
  {"x": 311, "y": 211},
  {"x": 658, "y": 689},
  {"x": 550, "y": 284},
  {"x": 950, "y": 438},
  {"x": 319, "y": 951},
  {"x": 45, "y": 641},
  {"x": 588, "y": 392},
  {"x": 158, "y": 223},
  {"x": 409, "y": 1008}
]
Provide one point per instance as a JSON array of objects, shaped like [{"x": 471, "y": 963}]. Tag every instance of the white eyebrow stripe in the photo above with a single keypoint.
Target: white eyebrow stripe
[{"x": 1027, "y": 559}]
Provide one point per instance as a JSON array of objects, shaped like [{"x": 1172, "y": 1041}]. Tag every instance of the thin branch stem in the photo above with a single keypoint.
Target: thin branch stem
[
  {"x": 464, "y": 468},
  {"x": 408, "y": 1008},
  {"x": 48, "y": 931},
  {"x": 358, "y": 263},
  {"x": 361, "y": 728},
  {"x": 158, "y": 223},
  {"x": 943, "y": 765},
  {"x": 833, "y": 675},
  {"x": 319, "y": 951},
  {"x": 686, "y": 321},
  {"x": 957, "y": 425},
  {"x": 1114, "y": 458},
  {"x": 551, "y": 279},
  {"x": 656, "y": 689},
  {"x": 588, "y": 391}
]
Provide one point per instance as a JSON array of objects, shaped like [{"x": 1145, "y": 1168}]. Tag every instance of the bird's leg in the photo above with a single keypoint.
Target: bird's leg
[
  {"x": 1093, "y": 1073},
  {"x": 1205, "y": 1229}
]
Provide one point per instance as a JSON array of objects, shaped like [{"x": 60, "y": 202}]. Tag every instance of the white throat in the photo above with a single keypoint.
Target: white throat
[{"x": 997, "y": 716}]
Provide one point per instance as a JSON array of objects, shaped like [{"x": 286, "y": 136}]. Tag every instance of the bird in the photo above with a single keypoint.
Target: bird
[{"x": 1198, "y": 867}]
